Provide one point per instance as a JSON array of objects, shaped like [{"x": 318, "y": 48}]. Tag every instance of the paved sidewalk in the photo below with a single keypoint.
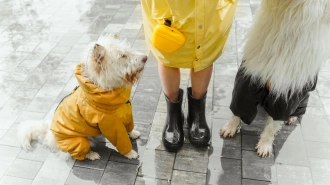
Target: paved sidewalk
[{"x": 40, "y": 44}]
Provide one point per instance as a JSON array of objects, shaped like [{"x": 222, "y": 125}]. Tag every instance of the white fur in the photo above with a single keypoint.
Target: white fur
[
  {"x": 287, "y": 44},
  {"x": 39, "y": 130},
  {"x": 108, "y": 63},
  {"x": 36, "y": 130},
  {"x": 230, "y": 128},
  {"x": 265, "y": 145},
  {"x": 132, "y": 155},
  {"x": 117, "y": 54},
  {"x": 134, "y": 134},
  {"x": 92, "y": 156}
]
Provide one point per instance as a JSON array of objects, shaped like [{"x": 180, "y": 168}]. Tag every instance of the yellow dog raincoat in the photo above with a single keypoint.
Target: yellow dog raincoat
[{"x": 90, "y": 111}]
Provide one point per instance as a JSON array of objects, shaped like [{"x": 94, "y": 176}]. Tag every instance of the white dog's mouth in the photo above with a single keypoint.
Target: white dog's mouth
[{"x": 135, "y": 75}]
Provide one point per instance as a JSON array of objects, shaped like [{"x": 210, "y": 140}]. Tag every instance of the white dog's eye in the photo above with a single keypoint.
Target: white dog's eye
[{"x": 123, "y": 56}]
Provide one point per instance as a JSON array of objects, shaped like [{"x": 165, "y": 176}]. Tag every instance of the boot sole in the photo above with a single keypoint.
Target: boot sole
[
  {"x": 172, "y": 148},
  {"x": 198, "y": 143}
]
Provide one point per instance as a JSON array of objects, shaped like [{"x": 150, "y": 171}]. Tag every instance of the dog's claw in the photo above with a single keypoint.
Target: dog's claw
[
  {"x": 263, "y": 150},
  {"x": 228, "y": 131}
]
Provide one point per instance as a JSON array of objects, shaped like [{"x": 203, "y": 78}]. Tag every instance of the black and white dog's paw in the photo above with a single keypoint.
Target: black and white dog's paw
[
  {"x": 264, "y": 148},
  {"x": 230, "y": 128}
]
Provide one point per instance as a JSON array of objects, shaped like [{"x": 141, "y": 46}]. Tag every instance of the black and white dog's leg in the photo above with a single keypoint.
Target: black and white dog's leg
[
  {"x": 230, "y": 128},
  {"x": 265, "y": 145}
]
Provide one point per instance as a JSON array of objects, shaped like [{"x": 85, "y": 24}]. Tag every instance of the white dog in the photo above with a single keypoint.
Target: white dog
[
  {"x": 99, "y": 105},
  {"x": 286, "y": 46}
]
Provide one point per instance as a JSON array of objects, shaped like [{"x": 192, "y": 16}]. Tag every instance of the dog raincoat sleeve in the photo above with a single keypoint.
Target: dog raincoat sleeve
[
  {"x": 205, "y": 24},
  {"x": 90, "y": 111}
]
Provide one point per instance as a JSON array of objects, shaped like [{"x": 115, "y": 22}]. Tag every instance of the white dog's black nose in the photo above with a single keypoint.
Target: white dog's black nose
[{"x": 144, "y": 59}]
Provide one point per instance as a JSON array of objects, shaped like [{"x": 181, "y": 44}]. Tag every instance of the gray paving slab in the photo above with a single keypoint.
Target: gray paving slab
[
  {"x": 298, "y": 175},
  {"x": 249, "y": 142},
  {"x": 254, "y": 167},
  {"x": 224, "y": 171},
  {"x": 25, "y": 169},
  {"x": 119, "y": 173},
  {"x": 8, "y": 155},
  {"x": 317, "y": 149},
  {"x": 84, "y": 176},
  {"x": 185, "y": 178},
  {"x": 150, "y": 181},
  {"x": 9, "y": 180},
  {"x": 55, "y": 170},
  {"x": 222, "y": 112},
  {"x": 316, "y": 128},
  {"x": 290, "y": 149},
  {"x": 10, "y": 138},
  {"x": 320, "y": 170},
  {"x": 157, "y": 164},
  {"x": 191, "y": 158},
  {"x": 255, "y": 182}
]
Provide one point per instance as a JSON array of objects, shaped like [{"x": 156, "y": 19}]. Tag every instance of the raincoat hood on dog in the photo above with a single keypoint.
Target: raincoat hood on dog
[
  {"x": 101, "y": 98},
  {"x": 91, "y": 111}
]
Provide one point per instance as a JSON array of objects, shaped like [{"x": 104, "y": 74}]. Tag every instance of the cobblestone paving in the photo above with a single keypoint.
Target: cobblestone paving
[{"x": 40, "y": 44}]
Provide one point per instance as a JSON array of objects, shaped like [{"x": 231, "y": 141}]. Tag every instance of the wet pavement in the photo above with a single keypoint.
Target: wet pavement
[{"x": 40, "y": 44}]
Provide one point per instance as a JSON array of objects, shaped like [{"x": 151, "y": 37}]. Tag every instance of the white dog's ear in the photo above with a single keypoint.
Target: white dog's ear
[{"x": 98, "y": 54}]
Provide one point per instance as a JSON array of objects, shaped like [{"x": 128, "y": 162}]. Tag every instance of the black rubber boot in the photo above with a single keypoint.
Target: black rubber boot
[
  {"x": 198, "y": 131},
  {"x": 173, "y": 129}
]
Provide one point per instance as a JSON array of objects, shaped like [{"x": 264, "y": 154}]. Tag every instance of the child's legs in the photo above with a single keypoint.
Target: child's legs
[
  {"x": 200, "y": 81},
  {"x": 170, "y": 80}
]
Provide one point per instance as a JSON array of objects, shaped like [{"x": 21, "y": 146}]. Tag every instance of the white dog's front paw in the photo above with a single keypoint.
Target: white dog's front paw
[
  {"x": 230, "y": 128},
  {"x": 92, "y": 156},
  {"x": 264, "y": 148},
  {"x": 134, "y": 134},
  {"x": 132, "y": 155}
]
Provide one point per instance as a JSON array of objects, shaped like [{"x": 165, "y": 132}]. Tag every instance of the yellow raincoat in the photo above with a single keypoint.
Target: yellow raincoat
[
  {"x": 90, "y": 111},
  {"x": 205, "y": 23}
]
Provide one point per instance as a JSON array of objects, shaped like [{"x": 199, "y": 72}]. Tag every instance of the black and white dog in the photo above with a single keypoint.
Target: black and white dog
[{"x": 286, "y": 46}]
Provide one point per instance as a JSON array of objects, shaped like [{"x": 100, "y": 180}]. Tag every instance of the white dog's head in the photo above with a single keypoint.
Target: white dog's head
[{"x": 111, "y": 63}]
